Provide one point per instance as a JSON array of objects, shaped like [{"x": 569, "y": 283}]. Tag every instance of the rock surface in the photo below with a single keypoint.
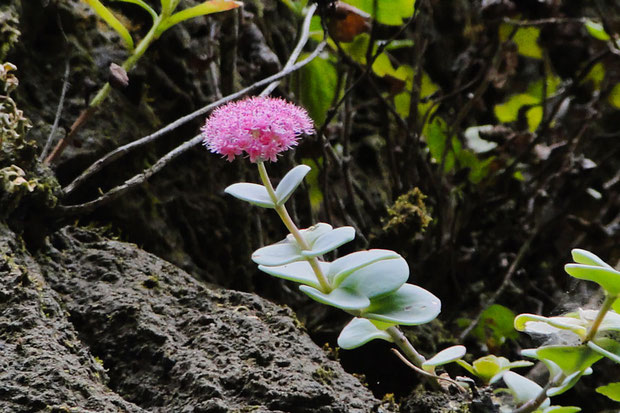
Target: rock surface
[{"x": 94, "y": 325}]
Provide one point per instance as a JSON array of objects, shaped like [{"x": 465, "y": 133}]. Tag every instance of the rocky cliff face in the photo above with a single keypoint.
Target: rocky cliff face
[{"x": 89, "y": 324}]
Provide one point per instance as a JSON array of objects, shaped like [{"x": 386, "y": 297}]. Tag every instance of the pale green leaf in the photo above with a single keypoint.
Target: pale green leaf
[
  {"x": 391, "y": 12},
  {"x": 290, "y": 182},
  {"x": 252, "y": 193},
  {"x": 339, "y": 298},
  {"x": 344, "y": 266},
  {"x": 330, "y": 241},
  {"x": 445, "y": 356},
  {"x": 277, "y": 254},
  {"x": 360, "y": 331},
  {"x": 523, "y": 389},
  {"x": 587, "y": 258},
  {"x": 300, "y": 272},
  {"x": 410, "y": 305},
  {"x": 378, "y": 279},
  {"x": 614, "y": 96}
]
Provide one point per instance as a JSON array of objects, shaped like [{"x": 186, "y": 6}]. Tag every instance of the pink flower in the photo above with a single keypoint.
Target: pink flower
[{"x": 261, "y": 127}]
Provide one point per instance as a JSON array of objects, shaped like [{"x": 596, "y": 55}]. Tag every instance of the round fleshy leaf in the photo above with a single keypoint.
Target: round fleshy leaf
[
  {"x": 290, "y": 182},
  {"x": 330, "y": 241},
  {"x": 536, "y": 324},
  {"x": 448, "y": 355},
  {"x": 311, "y": 234},
  {"x": 300, "y": 272},
  {"x": 611, "y": 321},
  {"x": 410, "y": 305},
  {"x": 339, "y": 298},
  {"x": 606, "y": 277},
  {"x": 378, "y": 279},
  {"x": 523, "y": 389},
  {"x": 360, "y": 331},
  {"x": 277, "y": 254},
  {"x": 587, "y": 258},
  {"x": 343, "y": 266},
  {"x": 488, "y": 367},
  {"x": 570, "y": 359},
  {"x": 253, "y": 193}
]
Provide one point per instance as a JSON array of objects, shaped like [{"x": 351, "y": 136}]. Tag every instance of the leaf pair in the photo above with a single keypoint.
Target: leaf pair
[{"x": 258, "y": 195}]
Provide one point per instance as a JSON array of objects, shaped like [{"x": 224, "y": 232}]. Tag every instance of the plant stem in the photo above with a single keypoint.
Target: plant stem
[
  {"x": 609, "y": 300},
  {"x": 290, "y": 225},
  {"x": 405, "y": 345},
  {"x": 536, "y": 402},
  {"x": 103, "y": 93}
]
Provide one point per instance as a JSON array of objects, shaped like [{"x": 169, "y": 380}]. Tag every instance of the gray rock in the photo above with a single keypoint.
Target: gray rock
[{"x": 167, "y": 342}]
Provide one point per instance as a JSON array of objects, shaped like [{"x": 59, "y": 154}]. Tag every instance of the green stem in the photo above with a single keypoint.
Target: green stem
[
  {"x": 609, "y": 300},
  {"x": 131, "y": 61},
  {"x": 292, "y": 228}
]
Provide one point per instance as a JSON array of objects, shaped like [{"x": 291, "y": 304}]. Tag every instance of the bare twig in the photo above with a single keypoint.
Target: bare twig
[
  {"x": 505, "y": 282},
  {"x": 122, "y": 150},
  {"x": 61, "y": 104},
  {"x": 139, "y": 179}
]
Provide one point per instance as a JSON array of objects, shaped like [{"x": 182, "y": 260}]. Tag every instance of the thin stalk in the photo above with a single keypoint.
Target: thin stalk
[
  {"x": 609, "y": 300},
  {"x": 405, "y": 345},
  {"x": 290, "y": 225},
  {"x": 103, "y": 93}
]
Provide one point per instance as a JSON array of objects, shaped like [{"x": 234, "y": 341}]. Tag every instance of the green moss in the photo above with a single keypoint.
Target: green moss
[
  {"x": 324, "y": 375},
  {"x": 408, "y": 214}
]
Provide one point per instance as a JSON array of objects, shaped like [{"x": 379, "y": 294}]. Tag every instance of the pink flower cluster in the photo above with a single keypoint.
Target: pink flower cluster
[{"x": 261, "y": 127}]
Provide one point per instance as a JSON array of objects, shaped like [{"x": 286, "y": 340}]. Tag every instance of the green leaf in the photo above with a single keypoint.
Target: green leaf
[
  {"x": 300, "y": 272},
  {"x": 611, "y": 390},
  {"x": 496, "y": 325},
  {"x": 312, "y": 181},
  {"x": 410, "y": 305},
  {"x": 290, "y": 182},
  {"x": 614, "y": 96},
  {"x": 608, "y": 278},
  {"x": 587, "y": 258},
  {"x": 570, "y": 359},
  {"x": 339, "y": 298},
  {"x": 329, "y": 241},
  {"x": 390, "y": 12},
  {"x": 360, "y": 331},
  {"x": 445, "y": 356},
  {"x": 112, "y": 21},
  {"x": 526, "y": 39},
  {"x": 317, "y": 84},
  {"x": 344, "y": 266},
  {"x": 208, "y": 7},
  {"x": 568, "y": 382},
  {"x": 509, "y": 110},
  {"x": 378, "y": 279},
  {"x": 253, "y": 193},
  {"x": 523, "y": 389},
  {"x": 596, "y": 30},
  {"x": 142, "y": 4},
  {"x": 436, "y": 138}
]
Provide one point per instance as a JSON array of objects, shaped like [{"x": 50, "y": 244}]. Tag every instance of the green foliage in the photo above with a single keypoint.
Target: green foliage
[
  {"x": 317, "y": 84},
  {"x": 491, "y": 368},
  {"x": 391, "y": 12},
  {"x": 611, "y": 390},
  {"x": 526, "y": 39},
  {"x": 495, "y": 326}
]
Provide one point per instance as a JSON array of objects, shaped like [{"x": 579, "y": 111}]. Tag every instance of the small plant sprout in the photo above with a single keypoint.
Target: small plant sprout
[
  {"x": 167, "y": 18},
  {"x": 581, "y": 338},
  {"x": 370, "y": 285},
  {"x": 490, "y": 369}
]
